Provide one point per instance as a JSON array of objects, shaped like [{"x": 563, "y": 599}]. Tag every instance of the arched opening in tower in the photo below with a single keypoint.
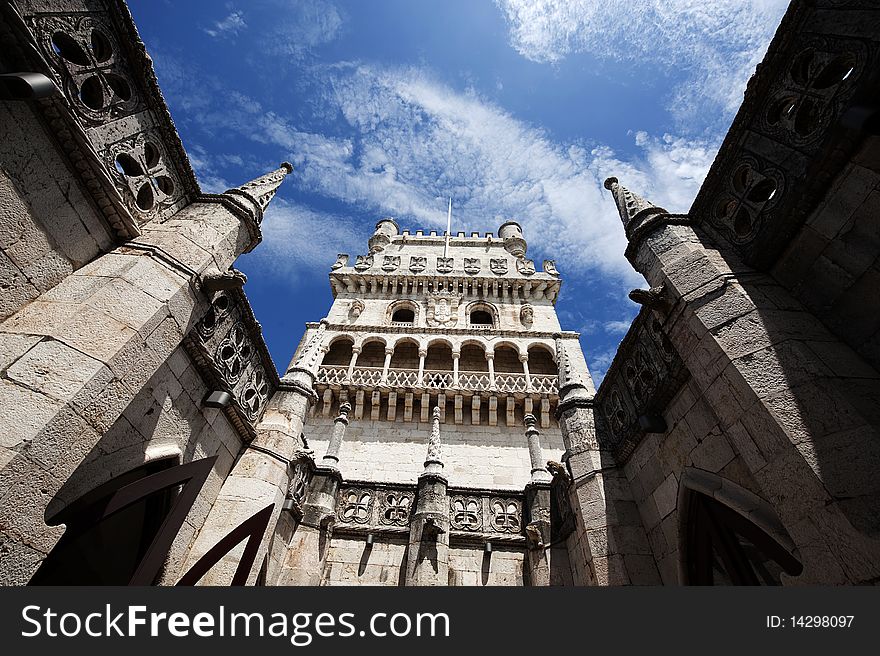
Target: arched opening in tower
[
  {"x": 372, "y": 355},
  {"x": 481, "y": 318},
  {"x": 507, "y": 360},
  {"x": 339, "y": 353},
  {"x": 541, "y": 361},
  {"x": 403, "y": 315},
  {"x": 406, "y": 355},
  {"x": 439, "y": 357},
  {"x": 473, "y": 358}
]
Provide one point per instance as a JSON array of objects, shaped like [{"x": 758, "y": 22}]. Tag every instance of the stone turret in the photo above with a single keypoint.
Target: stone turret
[
  {"x": 514, "y": 242},
  {"x": 385, "y": 230},
  {"x": 573, "y": 389}
]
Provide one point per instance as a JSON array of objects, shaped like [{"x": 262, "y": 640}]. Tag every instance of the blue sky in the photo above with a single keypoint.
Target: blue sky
[{"x": 518, "y": 109}]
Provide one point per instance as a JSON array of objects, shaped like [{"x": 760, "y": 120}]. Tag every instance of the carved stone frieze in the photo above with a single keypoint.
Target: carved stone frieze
[
  {"x": 473, "y": 514},
  {"x": 146, "y": 182},
  {"x": 525, "y": 267},
  {"x": 466, "y": 513},
  {"x": 228, "y": 348},
  {"x": 395, "y": 507},
  {"x": 90, "y": 65},
  {"x": 505, "y": 515},
  {"x": 472, "y": 265},
  {"x": 390, "y": 263},
  {"x": 355, "y": 505},
  {"x": 363, "y": 262}
]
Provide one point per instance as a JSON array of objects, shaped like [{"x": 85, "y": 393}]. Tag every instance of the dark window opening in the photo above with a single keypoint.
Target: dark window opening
[
  {"x": 481, "y": 318},
  {"x": 724, "y": 548},
  {"x": 404, "y": 315}
]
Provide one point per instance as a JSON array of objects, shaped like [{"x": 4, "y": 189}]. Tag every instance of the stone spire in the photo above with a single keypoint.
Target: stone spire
[
  {"x": 573, "y": 389},
  {"x": 309, "y": 358},
  {"x": 255, "y": 195},
  {"x": 434, "y": 462},
  {"x": 634, "y": 210}
]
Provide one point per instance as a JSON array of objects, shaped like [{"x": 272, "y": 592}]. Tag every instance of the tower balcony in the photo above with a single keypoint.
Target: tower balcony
[{"x": 429, "y": 379}]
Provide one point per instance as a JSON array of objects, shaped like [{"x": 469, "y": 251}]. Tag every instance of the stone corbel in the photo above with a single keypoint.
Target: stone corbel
[
  {"x": 653, "y": 298},
  {"x": 216, "y": 281}
]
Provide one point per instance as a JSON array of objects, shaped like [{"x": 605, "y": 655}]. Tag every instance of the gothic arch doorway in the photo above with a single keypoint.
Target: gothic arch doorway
[
  {"x": 723, "y": 546},
  {"x": 120, "y": 532}
]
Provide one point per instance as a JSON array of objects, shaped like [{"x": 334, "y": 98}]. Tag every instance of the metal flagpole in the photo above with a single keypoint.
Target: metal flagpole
[{"x": 448, "y": 229}]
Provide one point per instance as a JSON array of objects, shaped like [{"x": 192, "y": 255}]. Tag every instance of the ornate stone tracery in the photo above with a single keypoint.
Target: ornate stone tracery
[{"x": 90, "y": 65}]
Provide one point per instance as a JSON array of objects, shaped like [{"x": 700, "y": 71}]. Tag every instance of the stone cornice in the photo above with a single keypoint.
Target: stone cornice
[{"x": 441, "y": 330}]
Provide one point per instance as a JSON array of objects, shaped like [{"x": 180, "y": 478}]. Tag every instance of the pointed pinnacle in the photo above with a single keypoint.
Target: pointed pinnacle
[
  {"x": 255, "y": 196},
  {"x": 633, "y": 209}
]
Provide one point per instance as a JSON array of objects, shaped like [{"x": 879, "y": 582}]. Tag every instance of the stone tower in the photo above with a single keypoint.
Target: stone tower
[{"x": 465, "y": 325}]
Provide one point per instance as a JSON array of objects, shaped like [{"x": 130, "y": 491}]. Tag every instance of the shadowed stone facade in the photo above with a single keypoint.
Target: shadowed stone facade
[{"x": 438, "y": 426}]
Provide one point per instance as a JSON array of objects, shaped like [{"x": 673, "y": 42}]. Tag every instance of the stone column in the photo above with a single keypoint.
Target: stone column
[
  {"x": 524, "y": 358},
  {"x": 389, "y": 351},
  {"x": 261, "y": 476},
  {"x": 77, "y": 356},
  {"x": 423, "y": 353},
  {"x": 427, "y": 559},
  {"x": 539, "y": 471},
  {"x": 308, "y": 549},
  {"x": 537, "y": 495},
  {"x": 608, "y": 528},
  {"x": 490, "y": 358},
  {"x": 331, "y": 458},
  {"x": 355, "y": 351},
  {"x": 455, "y": 356}
]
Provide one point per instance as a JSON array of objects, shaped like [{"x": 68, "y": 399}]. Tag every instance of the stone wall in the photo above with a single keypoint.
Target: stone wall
[
  {"x": 694, "y": 439},
  {"x": 472, "y": 566},
  {"x": 48, "y": 228},
  {"x": 352, "y": 562},
  {"x": 474, "y": 456}
]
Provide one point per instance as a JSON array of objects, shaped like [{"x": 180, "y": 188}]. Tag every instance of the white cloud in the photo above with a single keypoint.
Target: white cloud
[
  {"x": 714, "y": 45},
  {"x": 616, "y": 327},
  {"x": 296, "y": 237},
  {"x": 229, "y": 26},
  {"x": 408, "y": 141},
  {"x": 415, "y": 141},
  {"x": 302, "y": 28},
  {"x": 598, "y": 363}
]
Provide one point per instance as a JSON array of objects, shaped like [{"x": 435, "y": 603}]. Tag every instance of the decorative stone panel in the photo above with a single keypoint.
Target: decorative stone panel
[
  {"x": 645, "y": 374},
  {"x": 111, "y": 112},
  {"x": 228, "y": 346},
  {"x": 473, "y": 514},
  {"x": 790, "y": 137}
]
